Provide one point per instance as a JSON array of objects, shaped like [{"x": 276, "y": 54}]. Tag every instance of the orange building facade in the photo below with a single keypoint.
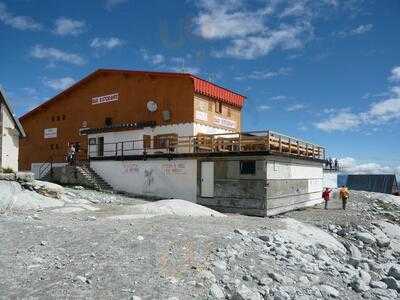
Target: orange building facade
[{"x": 117, "y": 105}]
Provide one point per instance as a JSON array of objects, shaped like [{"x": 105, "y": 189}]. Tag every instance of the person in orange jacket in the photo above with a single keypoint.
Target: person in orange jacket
[
  {"x": 326, "y": 195},
  {"x": 344, "y": 195}
]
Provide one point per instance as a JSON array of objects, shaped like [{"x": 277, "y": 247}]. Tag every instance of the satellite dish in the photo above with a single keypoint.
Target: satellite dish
[{"x": 151, "y": 106}]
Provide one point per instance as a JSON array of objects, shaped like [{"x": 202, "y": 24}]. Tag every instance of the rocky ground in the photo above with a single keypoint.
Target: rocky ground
[{"x": 96, "y": 245}]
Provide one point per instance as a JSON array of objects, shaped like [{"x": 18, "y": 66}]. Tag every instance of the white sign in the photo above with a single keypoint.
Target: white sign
[
  {"x": 224, "y": 122},
  {"x": 104, "y": 99},
  {"x": 202, "y": 116},
  {"x": 50, "y": 133}
]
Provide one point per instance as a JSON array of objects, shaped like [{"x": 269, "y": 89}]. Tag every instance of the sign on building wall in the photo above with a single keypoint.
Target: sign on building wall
[
  {"x": 201, "y": 115},
  {"x": 50, "y": 133},
  {"x": 224, "y": 122},
  {"x": 105, "y": 99}
]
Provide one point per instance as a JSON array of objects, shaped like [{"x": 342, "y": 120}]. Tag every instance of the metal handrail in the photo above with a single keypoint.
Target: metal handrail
[{"x": 223, "y": 142}]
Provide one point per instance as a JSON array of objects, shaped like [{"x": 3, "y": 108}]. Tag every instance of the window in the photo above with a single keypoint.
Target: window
[
  {"x": 164, "y": 141},
  {"x": 63, "y": 117},
  {"x": 247, "y": 167},
  {"x": 58, "y": 118},
  {"x": 146, "y": 141},
  {"x": 108, "y": 121},
  {"x": 92, "y": 141},
  {"x": 210, "y": 106},
  {"x": 53, "y": 118},
  {"x": 218, "y": 107}
]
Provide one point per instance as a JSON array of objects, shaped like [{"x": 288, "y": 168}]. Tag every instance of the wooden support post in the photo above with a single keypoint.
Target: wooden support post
[
  {"x": 298, "y": 148},
  {"x": 268, "y": 141},
  {"x": 122, "y": 149},
  {"x": 307, "y": 150},
  {"x": 116, "y": 149},
  {"x": 280, "y": 144},
  {"x": 290, "y": 146}
]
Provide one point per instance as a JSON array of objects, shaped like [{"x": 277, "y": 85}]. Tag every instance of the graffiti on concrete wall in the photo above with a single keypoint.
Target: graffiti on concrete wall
[
  {"x": 148, "y": 179},
  {"x": 129, "y": 168},
  {"x": 174, "y": 168}
]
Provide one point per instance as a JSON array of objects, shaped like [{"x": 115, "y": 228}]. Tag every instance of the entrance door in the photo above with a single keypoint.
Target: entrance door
[
  {"x": 100, "y": 146},
  {"x": 207, "y": 179}
]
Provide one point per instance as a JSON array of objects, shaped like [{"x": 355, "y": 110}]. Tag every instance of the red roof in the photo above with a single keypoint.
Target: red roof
[
  {"x": 201, "y": 86},
  {"x": 209, "y": 89}
]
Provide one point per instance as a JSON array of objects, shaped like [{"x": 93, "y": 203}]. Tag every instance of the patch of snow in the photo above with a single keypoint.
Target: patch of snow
[
  {"x": 305, "y": 235},
  {"x": 175, "y": 207}
]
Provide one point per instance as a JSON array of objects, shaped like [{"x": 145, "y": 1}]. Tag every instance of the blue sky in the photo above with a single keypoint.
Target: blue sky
[{"x": 327, "y": 71}]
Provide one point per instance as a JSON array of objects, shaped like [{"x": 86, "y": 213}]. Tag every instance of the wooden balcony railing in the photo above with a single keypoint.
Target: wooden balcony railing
[{"x": 226, "y": 142}]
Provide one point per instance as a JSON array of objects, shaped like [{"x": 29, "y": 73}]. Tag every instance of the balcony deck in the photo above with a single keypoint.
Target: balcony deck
[{"x": 241, "y": 142}]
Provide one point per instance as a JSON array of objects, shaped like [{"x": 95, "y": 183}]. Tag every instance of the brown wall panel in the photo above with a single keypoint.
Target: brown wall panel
[{"x": 173, "y": 93}]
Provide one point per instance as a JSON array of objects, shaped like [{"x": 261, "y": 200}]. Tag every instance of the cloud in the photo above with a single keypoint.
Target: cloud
[
  {"x": 395, "y": 74},
  {"x": 295, "y": 107},
  {"x": 190, "y": 70},
  {"x": 64, "y": 26},
  {"x": 341, "y": 122},
  {"x": 253, "y": 32},
  {"x": 106, "y": 43},
  {"x": 223, "y": 19},
  {"x": 378, "y": 113},
  {"x": 154, "y": 59},
  {"x": 251, "y": 47},
  {"x": 260, "y": 75},
  {"x": 362, "y": 29},
  {"x": 111, "y": 3},
  {"x": 18, "y": 22},
  {"x": 263, "y": 107},
  {"x": 53, "y": 54},
  {"x": 59, "y": 84},
  {"x": 279, "y": 98},
  {"x": 352, "y": 166}
]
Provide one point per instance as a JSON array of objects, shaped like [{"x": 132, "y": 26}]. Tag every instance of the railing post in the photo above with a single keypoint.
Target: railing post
[
  {"x": 280, "y": 144},
  {"x": 122, "y": 149},
  {"x": 298, "y": 148},
  {"x": 116, "y": 149},
  {"x": 306, "y": 149},
  {"x": 290, "y": 146}
]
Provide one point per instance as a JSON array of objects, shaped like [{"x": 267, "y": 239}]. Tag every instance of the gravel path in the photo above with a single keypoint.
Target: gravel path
[{"x": 44, "y": 254}]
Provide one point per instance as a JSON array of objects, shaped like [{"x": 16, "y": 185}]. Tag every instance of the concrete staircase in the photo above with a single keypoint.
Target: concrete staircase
[{"x": 93, "y": 178}]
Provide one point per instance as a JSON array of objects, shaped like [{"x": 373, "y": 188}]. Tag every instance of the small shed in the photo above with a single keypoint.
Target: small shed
[
  {"x": 380, "y": 183},
  {"x": 10, "y": 132}
]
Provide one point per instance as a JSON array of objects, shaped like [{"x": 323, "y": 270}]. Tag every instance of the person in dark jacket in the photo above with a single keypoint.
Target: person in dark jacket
[{"x": 326, "y": 195}]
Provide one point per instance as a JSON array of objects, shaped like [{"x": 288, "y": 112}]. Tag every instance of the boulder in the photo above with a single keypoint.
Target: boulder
[
  {"x": 25, "y": 176},
  {"x": 365, "y": 237},
  {"x": 378, "y": 285},
  {"x": 328, "y": 291},
  {"x": 391, "y": 283},
  {"x": 394, "y": 271},
  {"x": 45, "y": 188},
  {"x": 381, "y": 238},
  {"x": 245, "y": 293},
  {"x": 216, "y": 292},
  {"x": 7, "y": 176}
]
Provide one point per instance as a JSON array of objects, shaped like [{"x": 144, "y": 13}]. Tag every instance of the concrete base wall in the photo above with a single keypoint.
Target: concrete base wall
[
  {"x": 292, "y": 184},
  {"x": 68, "y": 175},
  {"x": 151, "y": 178},
  {"x": 279, "y": 184}
]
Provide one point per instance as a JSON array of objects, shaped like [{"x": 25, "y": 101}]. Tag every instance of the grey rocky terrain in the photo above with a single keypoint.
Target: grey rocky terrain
[{"x": 97, "y": 245}]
